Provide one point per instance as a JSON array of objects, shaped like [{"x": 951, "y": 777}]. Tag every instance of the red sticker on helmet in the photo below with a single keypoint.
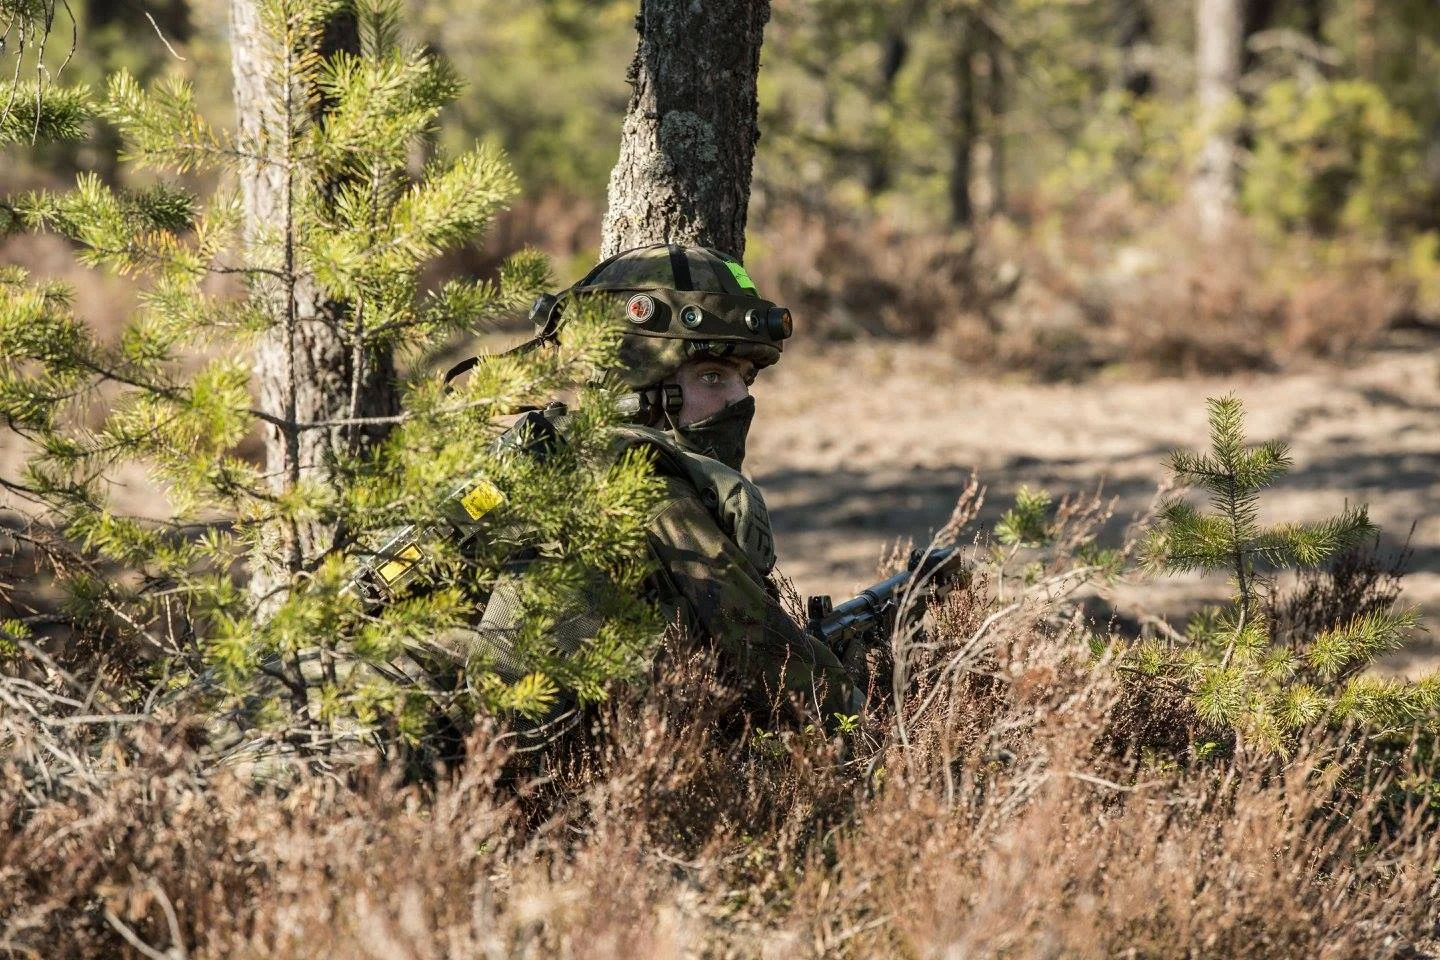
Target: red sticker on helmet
[{"x": 640, "y": 308}]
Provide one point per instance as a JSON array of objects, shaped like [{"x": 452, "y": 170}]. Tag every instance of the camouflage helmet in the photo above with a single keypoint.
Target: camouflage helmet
[{"x": 678, "y": 303}]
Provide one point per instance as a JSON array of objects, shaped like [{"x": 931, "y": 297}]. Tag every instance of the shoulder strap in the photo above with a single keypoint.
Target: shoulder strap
[{"x": 546, "y": 317}]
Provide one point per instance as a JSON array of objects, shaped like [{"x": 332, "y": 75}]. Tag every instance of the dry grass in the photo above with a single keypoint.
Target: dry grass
[{"x": 1012, "y": 797}]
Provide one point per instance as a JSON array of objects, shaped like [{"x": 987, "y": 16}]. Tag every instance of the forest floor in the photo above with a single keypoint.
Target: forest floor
[{"x": 856, "y": 448}]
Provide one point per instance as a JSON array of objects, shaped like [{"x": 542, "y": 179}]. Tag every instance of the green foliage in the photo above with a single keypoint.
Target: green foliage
[
  {"x": 1027, "y": 523},
  {"x": 546, "y": 81},
  {"x": 1060, "y": 543},
  {"x": 1330, "y": 156},
  {"x": 1237, "y": 673},
  {"x": 168, "y": 404},
  {"x": 32, "y": 109},
  {"x": 1127, "y": 140},
  {"x": 12, "y": 634}
]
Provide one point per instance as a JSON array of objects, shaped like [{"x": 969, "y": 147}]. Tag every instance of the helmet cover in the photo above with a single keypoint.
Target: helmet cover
[{"x": 682, "y": 303}]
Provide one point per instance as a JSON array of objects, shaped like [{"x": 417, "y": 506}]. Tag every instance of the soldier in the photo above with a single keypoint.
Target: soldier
[{"x": 696, "y": 334}]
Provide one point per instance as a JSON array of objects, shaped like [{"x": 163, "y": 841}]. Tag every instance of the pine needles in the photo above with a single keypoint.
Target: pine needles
[{"x": 36, "y": 110}]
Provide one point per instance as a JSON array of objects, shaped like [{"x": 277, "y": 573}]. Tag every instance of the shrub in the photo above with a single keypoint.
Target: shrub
[
  {"x": 1330, "y": 156},
  {"x": 1126, "y": 142}
]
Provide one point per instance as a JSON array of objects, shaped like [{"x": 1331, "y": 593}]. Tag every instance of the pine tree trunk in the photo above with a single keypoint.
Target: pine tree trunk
[
  {"x": 996, "y": 108},
  {"x": 1259, "y": 15},
  {"x": 1365, "y": 23},
  {"x": 1219, "y": 51},
  {"x": 688, "y": 140},
  {"x": 894, "y": 51},
  {"x": 308, "y": 367},
  {"x": 1312, "y": 15}
]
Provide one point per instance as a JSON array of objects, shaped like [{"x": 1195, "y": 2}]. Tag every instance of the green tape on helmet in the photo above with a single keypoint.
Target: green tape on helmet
[{"x": 741, "y": 277}]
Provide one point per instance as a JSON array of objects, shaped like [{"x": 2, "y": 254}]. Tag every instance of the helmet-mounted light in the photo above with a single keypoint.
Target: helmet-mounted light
[
  {"x": 692, "y": 316},
  {"x": 774, "y": 322}
]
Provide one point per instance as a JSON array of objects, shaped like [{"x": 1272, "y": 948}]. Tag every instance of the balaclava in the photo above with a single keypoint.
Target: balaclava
[{"x": 722, "y": 435}]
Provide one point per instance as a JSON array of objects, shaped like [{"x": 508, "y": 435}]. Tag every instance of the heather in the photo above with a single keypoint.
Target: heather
[{"x": 1027, "y": 782}]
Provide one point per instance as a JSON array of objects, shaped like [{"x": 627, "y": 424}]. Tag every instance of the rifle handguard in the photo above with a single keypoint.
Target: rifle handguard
[{"x": 836, "y": 627}]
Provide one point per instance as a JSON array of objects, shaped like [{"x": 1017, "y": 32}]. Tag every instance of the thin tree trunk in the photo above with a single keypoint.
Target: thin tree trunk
[
  {"x": 963, "y": 132},
  {"x": 1365, "y": 24},
  {"x": 1133, "y": 28},
  {"x": 1313, "y": 17},
  {"x": 307, "y": 365},
  {"x": 1259, "y": 15},
  {"x": 895, "y": 50},
  {"x": 1218, "y": 55},
  {"x": 996, "y": 108},
  {"x": 688, "y": 141}
]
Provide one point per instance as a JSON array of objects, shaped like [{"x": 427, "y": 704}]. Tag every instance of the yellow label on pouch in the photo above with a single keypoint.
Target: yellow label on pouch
[
  {"x": 482, "y": 499},
  {"x": 403, "y": 561}
]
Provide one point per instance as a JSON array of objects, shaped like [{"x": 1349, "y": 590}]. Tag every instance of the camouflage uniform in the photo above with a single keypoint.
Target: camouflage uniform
[{"x": 710, "y": 538}]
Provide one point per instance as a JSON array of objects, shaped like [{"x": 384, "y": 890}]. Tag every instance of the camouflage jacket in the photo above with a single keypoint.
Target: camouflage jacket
[
  {"x": 711, "y": 541},
  {"x": 709, "y": 536}
]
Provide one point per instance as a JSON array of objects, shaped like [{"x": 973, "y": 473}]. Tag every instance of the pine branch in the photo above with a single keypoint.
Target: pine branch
[
  {"x": 1360, "y": 640},
  {"x": 37, "y": 112},
  {"x": 1227, "y": 431}
]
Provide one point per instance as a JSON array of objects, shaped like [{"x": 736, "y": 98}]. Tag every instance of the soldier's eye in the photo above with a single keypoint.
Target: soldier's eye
[{"x": 712, "y": 377}]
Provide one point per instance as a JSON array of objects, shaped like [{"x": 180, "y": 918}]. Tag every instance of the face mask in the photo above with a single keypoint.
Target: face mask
[{"x": 723, "y": 435}]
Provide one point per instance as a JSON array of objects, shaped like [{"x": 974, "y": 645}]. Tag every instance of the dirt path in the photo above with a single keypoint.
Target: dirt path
[{"x": 857, "y": 448}]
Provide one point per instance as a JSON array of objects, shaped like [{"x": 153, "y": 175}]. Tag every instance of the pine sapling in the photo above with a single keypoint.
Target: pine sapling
[
  {"x": 168, "y": 405},
  {"x": 1238, "y": 674}
]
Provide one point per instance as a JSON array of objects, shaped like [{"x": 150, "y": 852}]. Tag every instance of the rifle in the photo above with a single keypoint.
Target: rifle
[{"x": 867, "y": 614}]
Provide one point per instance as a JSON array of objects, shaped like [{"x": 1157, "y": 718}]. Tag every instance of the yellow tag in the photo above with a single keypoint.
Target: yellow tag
[
  {"x": 482, "y": 499},
  {"x": 393, "y": 570}
]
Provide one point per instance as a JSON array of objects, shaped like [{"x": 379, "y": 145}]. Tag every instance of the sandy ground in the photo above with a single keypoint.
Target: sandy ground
[{"x": 857, "y": 448}]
